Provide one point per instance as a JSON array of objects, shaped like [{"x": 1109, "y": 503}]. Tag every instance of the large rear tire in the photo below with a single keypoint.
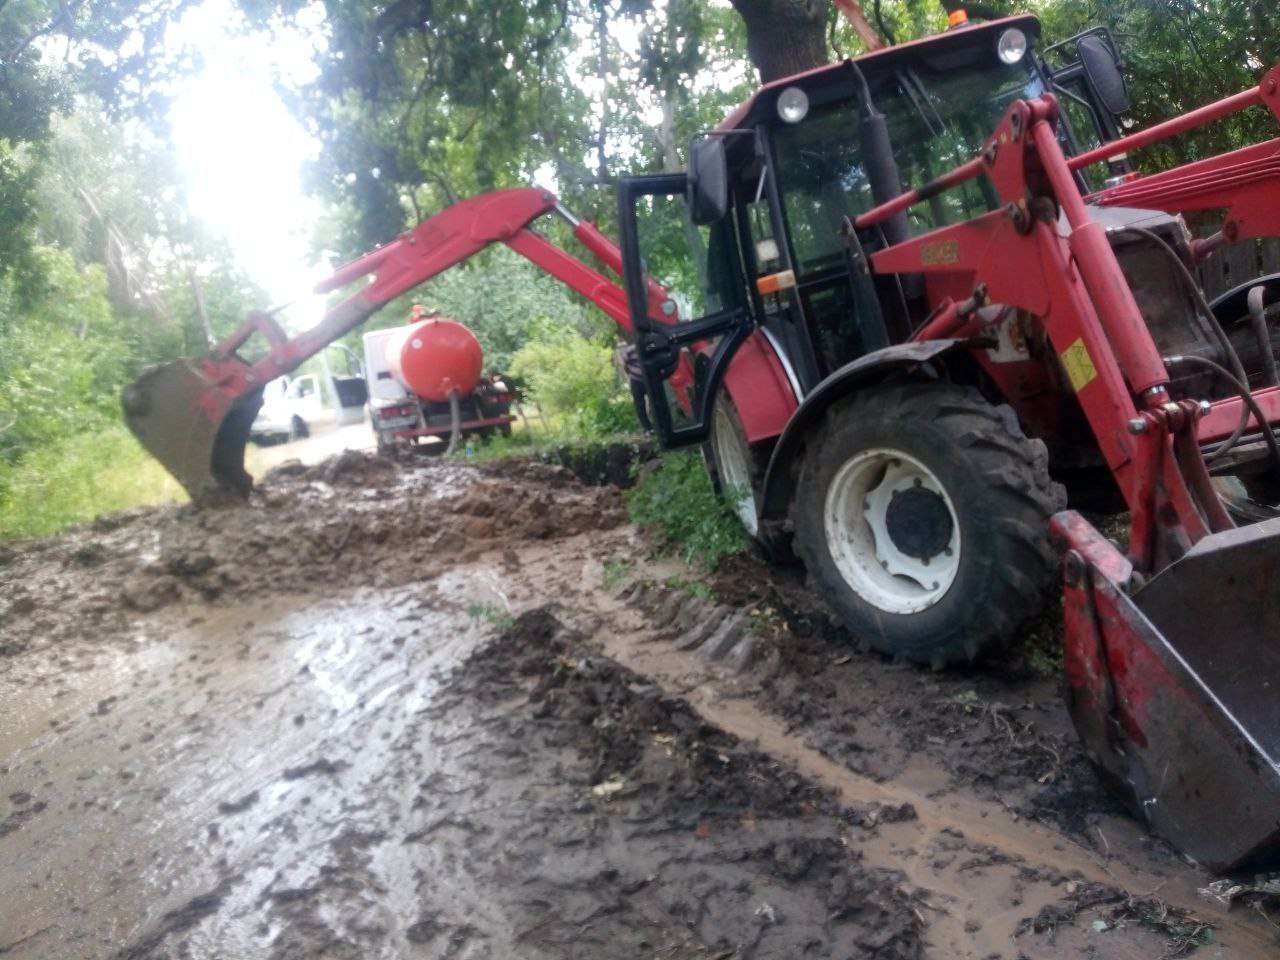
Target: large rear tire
[
  {"x": 735, "y": 470},
  {"x": 922, "y": 513}
]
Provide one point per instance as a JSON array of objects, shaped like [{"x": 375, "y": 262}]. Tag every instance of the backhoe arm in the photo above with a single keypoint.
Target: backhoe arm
[{"x": 194, "y": 415}]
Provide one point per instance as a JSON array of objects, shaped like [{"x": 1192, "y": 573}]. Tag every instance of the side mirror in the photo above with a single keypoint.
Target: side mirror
[
  {"x": 1102, "y": 70},
  {"x": 708, "y": 190}
]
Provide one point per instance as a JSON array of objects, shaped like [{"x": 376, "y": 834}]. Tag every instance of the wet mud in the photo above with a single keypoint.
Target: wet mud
[{"x": 426, "y": 710}]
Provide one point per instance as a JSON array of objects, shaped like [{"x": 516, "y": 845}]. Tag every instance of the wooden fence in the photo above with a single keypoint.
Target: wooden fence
[{"x": 1233, "y": 265}]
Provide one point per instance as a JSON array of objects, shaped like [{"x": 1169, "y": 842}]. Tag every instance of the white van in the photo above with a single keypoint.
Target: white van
[{"x": 289, "y": 408}]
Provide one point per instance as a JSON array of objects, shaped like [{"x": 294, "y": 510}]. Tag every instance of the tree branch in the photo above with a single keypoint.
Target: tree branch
[
  {"x": 64, "y": 12},
  {"x": 852, "y": 11}
]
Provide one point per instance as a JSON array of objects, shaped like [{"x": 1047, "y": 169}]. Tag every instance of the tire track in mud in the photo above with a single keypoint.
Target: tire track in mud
[
  {"x": 983, "y": 872},
  {"x": 293, "y": 763}
]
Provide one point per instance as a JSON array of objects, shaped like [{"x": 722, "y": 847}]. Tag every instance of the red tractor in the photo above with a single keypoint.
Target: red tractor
[{"x": 910, "y": 388}]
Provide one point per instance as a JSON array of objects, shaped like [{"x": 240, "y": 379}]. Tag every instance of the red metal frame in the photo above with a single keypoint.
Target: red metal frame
[
  {"x": 438, "y": 243},
  {"x": 1075, "y": 286},
  {"x": 756, "y": 381}
]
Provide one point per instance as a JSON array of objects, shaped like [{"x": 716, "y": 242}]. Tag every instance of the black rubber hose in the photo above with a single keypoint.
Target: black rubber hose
[
  {"x": 1223, "y": 341},
  {"x": 1242, "y": 388},
  {"x": 1258, "y": 318},
  {"x": 455, "y": 422},
  {"x": 1193, "y": 288}
]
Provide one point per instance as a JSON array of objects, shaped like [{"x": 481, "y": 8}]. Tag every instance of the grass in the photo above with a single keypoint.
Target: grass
[
  {"x": 479, "y": 610},
  {"x": 76, "y": 479},
  {"x": 616, "y": 573},
  {"x": 694, "y": 588},
  {"x": 541, "y": 434},
  {"x": 677, "y": 501}
]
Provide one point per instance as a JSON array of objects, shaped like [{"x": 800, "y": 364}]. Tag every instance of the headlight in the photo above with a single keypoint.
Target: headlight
[
  {"x": 1012, "y": 46},
  {"x": 793, "y": 105}
]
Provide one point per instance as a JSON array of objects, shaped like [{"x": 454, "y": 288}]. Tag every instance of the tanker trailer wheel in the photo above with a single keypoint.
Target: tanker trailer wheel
[
  {"x": 735, "y": 471},
  {"x": 922, "y": 513}
]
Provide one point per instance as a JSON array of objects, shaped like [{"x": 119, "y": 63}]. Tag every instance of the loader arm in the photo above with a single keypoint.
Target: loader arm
[
  {"x": 194, "y": 415},
  {"x": 1172, "y": 649}
]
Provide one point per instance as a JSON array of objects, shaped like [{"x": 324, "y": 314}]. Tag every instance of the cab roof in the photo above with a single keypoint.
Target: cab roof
[{"x": 937, "y": 45}]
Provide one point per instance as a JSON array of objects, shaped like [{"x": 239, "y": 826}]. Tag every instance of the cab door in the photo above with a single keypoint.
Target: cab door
[{"x": 687, "y": 300}]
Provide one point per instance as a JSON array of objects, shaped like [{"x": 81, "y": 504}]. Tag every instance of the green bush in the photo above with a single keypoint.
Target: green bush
[
  {"x": 607, "y": 417},
  {"x": 566, "y": 375},
  {"x": 677, "y": 500},
  {"x": 75, "y": 479}
]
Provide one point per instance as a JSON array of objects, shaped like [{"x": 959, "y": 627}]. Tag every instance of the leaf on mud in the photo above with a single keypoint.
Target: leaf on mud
[
  {"x": 614, "y": 785},
  {"x": 968, "y": 700}
]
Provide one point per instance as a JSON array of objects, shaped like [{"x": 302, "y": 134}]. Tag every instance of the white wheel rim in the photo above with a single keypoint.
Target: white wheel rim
[
  {"x": 734, "y": 469},
  {"x": 855, "y": 522}
]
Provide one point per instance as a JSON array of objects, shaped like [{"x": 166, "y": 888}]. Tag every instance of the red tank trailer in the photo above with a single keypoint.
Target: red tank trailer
[
  {"x": 426, "y": 382},
  {"x": 435, "y": 357}
]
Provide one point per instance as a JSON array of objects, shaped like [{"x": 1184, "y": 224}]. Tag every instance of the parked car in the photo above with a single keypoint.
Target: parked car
[{"x": 289, "y": 408}]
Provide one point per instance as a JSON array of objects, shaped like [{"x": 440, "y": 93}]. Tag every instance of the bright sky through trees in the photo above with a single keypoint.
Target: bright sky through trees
[{"x": 242, "y": 151}]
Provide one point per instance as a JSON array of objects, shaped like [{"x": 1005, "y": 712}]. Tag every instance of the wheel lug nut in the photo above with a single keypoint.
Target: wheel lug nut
[
  {"x": 947, "y": 551},
  {"x": 925, "y": 561},
  {"x": 919, "y": 482}
]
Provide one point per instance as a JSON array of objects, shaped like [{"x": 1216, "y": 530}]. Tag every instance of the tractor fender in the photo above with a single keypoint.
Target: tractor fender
[
  {"x": 1233, "y": 304},
  {"x": 779, "y": 479}
]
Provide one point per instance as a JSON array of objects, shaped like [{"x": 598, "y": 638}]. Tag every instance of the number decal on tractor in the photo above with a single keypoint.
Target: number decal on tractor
[{"x": 944, "y": 251}]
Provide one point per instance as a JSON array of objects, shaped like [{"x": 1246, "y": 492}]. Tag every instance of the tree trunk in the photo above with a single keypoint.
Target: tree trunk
[
  {"x": 602, "y": 75},
  {"x": 784, "y": 36},
  {"x": 197, "y": 294}
]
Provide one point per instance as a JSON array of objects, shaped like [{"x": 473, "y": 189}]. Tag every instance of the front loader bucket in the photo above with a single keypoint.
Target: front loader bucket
[
  {"x": 196, "y": 429},
  {"x": 1175, "y": 690}
]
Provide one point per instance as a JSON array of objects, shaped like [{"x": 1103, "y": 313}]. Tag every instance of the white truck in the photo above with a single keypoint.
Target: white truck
[{"x": 290, "y": 406}]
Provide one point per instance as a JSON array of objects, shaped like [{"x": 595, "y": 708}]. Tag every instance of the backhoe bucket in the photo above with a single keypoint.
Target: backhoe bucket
[
  {"x": 195, "y": 428},
  {"x": 1175, "y": 690}
]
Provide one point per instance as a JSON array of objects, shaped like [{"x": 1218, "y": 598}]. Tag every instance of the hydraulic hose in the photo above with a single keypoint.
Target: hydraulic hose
[
  {"x": 1242, "y": 388},
  {"x": 1219, "y": 334}
]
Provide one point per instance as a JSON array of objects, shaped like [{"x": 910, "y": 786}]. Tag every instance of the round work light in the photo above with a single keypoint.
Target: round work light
[
  {"x": 1012, "y": 46},
  {"x": 793, "y": 105}
]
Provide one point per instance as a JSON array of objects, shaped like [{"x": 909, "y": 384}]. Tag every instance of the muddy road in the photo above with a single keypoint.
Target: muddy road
[{"x": 439, "y": 711}]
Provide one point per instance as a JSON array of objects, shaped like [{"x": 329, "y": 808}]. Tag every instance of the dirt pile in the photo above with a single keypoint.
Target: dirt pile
[
  {"x": 760, "y": 865},
  {"x": 353, "y": 520}
]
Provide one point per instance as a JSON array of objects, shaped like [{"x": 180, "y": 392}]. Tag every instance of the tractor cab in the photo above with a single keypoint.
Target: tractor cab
[{"x": 790, "y": 170}]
